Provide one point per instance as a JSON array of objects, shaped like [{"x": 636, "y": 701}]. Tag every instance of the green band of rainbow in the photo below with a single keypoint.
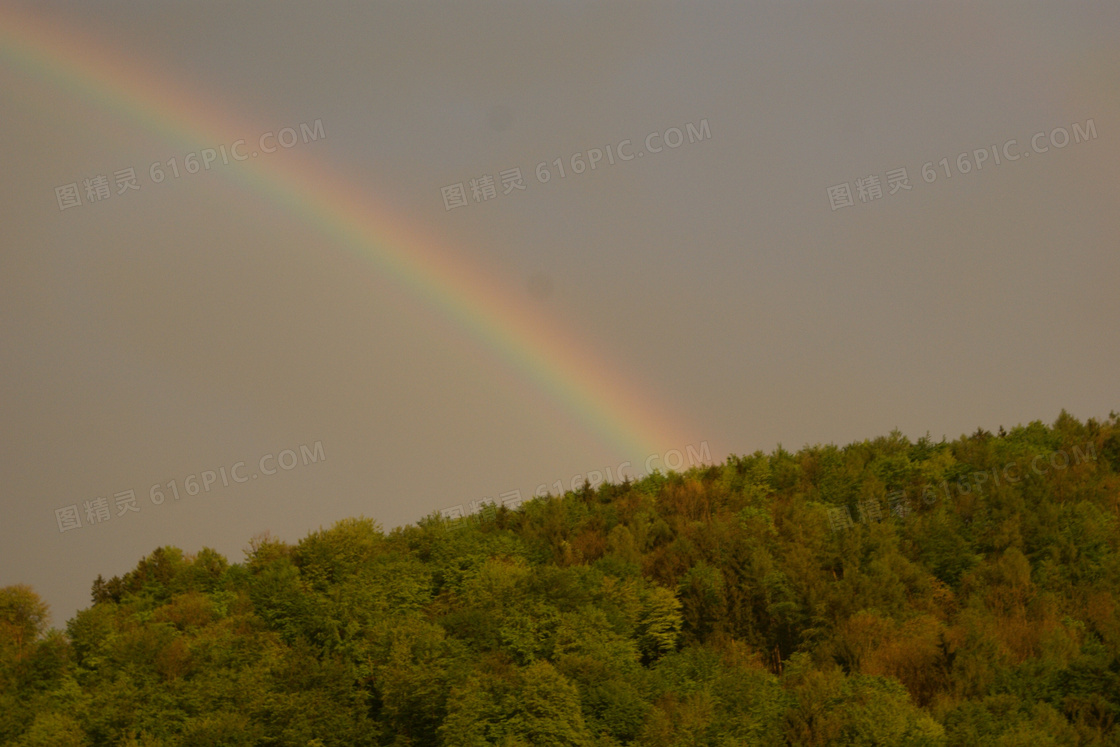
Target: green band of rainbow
[{"x": 581, "y": 384}]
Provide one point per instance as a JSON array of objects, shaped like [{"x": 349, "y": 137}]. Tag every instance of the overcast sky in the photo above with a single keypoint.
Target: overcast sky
[{"x": 771, "y": 279}]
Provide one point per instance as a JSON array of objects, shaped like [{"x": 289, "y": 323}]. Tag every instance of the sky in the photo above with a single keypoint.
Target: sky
[{"x": 264, "y": 266}]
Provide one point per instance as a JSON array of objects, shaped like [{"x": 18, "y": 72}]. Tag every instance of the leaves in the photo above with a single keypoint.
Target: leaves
[{"x": 715, "y": 607}]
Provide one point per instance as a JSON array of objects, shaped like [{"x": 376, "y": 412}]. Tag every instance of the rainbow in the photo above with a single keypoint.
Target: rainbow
[{"x": 613, "y": 407}]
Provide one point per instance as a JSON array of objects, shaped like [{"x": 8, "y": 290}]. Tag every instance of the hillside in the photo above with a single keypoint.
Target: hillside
[{"x": 886, "y": 592}]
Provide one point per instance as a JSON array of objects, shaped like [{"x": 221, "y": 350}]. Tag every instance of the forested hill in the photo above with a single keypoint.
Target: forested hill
[{"x": 882, "y": 593}]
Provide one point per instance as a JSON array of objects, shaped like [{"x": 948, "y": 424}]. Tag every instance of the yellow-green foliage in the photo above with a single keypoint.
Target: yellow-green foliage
[{"x": 718, "y": 607}]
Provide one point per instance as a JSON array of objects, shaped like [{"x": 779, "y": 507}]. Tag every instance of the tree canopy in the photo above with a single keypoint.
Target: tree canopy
[{"x": 882, "y": 593}]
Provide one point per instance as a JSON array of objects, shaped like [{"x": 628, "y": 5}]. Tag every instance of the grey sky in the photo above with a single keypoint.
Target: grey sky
[{"x": 190, "y": 325}]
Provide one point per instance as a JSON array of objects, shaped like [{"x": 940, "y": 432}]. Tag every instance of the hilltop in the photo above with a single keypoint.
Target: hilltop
[{"x": 885, "y": 592}]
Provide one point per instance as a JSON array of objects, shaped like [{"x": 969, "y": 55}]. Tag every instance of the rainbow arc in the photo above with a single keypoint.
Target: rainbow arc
[{"x": 550, "y": 358}]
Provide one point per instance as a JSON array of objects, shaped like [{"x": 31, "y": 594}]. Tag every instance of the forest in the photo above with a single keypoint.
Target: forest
[{"x": 886, "y": 592}]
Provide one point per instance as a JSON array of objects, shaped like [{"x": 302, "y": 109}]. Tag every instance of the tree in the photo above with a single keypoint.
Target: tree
[
  {"x": 660, "y": 624},
  {"x": 53, "y": 730},
  {"x": 24, "y": 617}
]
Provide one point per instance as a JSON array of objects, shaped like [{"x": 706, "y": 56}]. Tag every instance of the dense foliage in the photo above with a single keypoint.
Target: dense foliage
[{"x": 730, "y": 605}]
